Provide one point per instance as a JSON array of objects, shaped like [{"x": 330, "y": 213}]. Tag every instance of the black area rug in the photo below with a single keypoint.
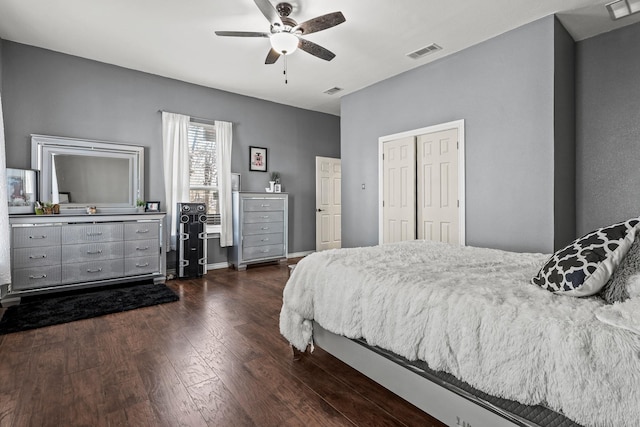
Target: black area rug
[{"x": 47, "y": 310}]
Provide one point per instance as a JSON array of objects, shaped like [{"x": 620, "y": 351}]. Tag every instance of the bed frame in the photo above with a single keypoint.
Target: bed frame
[{"x": 449, "y": 404}]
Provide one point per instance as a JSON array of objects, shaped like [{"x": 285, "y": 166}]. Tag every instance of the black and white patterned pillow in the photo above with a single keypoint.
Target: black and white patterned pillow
[{"x": 583, "y": 267}]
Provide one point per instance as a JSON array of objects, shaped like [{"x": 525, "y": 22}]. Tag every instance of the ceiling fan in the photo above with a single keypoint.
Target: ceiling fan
[{"x": 286, "y": 34}]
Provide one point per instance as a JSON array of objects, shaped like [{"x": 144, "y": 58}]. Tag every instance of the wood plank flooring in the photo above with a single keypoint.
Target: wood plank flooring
[{"x": 214, "y": 358}]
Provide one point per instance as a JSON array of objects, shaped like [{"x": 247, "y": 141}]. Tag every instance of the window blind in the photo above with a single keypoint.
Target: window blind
[{"x": 203, "y": 174}]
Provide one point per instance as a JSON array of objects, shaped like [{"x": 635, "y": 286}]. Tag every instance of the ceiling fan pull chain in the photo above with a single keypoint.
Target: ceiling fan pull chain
[{"x": 285, "y": 70}]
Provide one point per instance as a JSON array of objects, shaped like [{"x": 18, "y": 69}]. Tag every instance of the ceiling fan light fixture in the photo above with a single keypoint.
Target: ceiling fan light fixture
[{"x": 284, "y": 43}]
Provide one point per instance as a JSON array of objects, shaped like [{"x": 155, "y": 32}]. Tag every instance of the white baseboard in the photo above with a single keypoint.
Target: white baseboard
[
  {"x": 217, "y": 265},
  {"x": 299, "y": 254},
  {"x": 220, "y": 265},
  {"x": 171, "y": 272}
]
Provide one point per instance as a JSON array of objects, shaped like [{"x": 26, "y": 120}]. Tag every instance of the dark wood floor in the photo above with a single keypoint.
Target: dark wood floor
[{"x": 215, "y": 358}]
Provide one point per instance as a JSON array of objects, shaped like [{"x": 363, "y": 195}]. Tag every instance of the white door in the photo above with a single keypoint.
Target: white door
[
  {"x": 328, "y": 203},
  {"x": 437, "y": 176},
  {"x": 399, "y": 190}
]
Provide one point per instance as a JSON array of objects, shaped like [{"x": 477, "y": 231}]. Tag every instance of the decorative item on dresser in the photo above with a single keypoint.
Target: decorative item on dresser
[
  {"x": 21, "y": 190},
  {"x": 259, "y": 228},
  {"x": 49, "y": 254},
  {"x": 236, "y": 182},
  {"x": 152, "y": 207}
]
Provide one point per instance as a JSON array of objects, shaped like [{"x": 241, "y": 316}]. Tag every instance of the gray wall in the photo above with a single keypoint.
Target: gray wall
[
  {"x": 1, "y": 45},
  {"x": 52, "y": 93},
  {"x": 564, "y": 108},
  {"x": 608, "y": 128},
  {"x": 504, "y": 90}
]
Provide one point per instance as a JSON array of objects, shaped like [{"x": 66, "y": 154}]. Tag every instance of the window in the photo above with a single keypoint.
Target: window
[{"x": 203, "y": 173}]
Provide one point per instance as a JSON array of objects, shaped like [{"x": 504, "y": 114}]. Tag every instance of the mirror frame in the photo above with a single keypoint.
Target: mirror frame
[{"x": 44, "y": 148}]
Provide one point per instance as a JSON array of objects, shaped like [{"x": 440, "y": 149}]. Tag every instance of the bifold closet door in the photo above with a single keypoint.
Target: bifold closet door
[
  {"x": 399, "y": 190},
  {"x": 437, "y": 177}
]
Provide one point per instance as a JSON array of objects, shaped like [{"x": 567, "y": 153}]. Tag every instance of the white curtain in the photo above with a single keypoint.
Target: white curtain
[
  {"x": 224, "y": 138},
  {"x": 175, "y": 145},
  {"x": 5, "y": 260}
]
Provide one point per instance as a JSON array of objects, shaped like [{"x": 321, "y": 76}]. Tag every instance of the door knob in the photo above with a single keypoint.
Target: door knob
[{"x": 319, "y": 210}]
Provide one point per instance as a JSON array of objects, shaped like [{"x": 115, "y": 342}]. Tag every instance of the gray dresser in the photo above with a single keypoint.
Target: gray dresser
[
  {"x": 55, "y": 252},
  {"x": 259, "y": 228}
]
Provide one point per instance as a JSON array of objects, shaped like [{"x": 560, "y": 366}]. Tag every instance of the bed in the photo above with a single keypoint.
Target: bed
[{"x": 457, "y": 314}]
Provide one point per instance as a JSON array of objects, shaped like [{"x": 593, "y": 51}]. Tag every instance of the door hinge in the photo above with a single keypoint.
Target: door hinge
[
  {"x": 458, "y": 145},
  {"x": 458, "y": 203},
  {"x": 382, "y": 156},
  {"x": 383, "y": 203}
]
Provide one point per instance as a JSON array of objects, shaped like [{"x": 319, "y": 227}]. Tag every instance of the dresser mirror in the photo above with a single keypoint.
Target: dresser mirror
[{"x": 76, "y": 173}]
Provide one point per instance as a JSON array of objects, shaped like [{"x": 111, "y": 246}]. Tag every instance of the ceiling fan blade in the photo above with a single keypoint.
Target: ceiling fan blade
[
  {"x": 321, "y": 23},
  {"x": 241, "y": 34},
  {"x": 316, "y": 50},
  {"x": 272, "y": 57},
  {"x": 269, "y": 11}
]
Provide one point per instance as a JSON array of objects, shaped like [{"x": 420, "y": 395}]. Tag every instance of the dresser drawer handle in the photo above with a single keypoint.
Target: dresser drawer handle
[
  {"x": 265, "y": 240},
  {"x": 264, "y": 206},
  {"x": 94, "y": 233},
  {"x": 142, "y": 265},
  {"x": 94, "y": 271},
  {"x": 264, "y": 228},
  {"x": 146, "y": 248},
  {"x": 37, "y": 256},
  {"x": 42, "y": 276},
  {"x": 38, "y": 237},
  {"x": 142, "y": 231},
  {"x": 99, "y": 251},
  {"x": 265, "y": 217},
  {"x": 265, "y": 251}
]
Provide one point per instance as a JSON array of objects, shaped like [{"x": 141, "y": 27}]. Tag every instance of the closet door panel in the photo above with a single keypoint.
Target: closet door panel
[
  {"x": 399, "y": 190},
  {"x": 437, "y": 166}
]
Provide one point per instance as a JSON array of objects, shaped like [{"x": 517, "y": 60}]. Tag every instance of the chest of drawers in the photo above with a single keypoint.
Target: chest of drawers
[
  {"x": 50, "y": 253},
  {"x": 259, "y": 228}
]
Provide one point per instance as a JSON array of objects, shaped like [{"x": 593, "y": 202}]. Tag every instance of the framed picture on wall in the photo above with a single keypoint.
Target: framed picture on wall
[
  {"x": 22, "y": 190},
  {"x": 258, "y": 159}
]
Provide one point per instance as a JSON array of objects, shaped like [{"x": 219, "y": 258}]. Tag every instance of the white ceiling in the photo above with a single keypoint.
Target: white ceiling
[{"x": 176, "y": 39}]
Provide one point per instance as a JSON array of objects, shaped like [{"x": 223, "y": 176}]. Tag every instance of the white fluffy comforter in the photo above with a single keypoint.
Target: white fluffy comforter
[{"x": 473, "y": 313}]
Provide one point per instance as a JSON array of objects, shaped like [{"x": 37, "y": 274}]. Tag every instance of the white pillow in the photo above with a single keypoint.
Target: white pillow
[
  {"x": 633, "y": 286},
  {"x": 616, "y": 288}
]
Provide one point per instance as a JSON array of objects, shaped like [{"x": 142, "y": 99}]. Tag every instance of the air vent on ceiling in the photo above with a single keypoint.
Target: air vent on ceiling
[
  {"x": 424, "y": 51},
  {"x": 621, "y": 8},
  {"x": 333, "y": 90}
]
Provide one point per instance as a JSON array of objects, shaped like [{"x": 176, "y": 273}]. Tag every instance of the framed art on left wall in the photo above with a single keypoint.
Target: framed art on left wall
[{"x": 22, "y": 190}]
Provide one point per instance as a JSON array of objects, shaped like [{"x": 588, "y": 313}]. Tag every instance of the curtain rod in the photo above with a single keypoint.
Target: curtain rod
[{"x": 198, "y": 119}]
